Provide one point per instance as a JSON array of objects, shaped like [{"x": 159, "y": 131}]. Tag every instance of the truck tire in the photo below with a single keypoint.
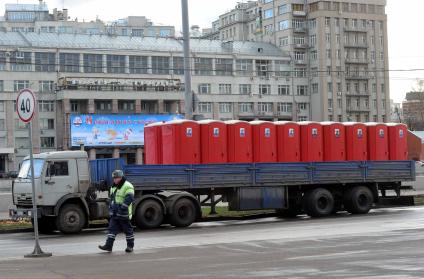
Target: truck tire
[
  {"x": 149, "y": 214},
  {"x": 71, "y": 219},
  {"x": 318, "y": 202},
  {"x": 358, "y": 200},
  {"x": 183, "y": 213}
]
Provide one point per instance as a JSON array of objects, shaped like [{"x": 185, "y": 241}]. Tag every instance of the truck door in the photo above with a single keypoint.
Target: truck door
[{"x": 61, "y": 179}]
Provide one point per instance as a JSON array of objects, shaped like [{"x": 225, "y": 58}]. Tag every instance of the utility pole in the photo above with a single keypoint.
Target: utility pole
[{"x": 188, "y": 98}]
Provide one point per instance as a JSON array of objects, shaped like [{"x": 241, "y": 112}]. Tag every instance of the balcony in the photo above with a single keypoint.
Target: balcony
[
  {"x": 356, "y": 61},
  {"x": 355, "y": 29},
  {"x": 358, "y": 94},
  {"x": 355, "y": 76},
  {"x": 299, "y": 29},
  {"x": 299, "y": 13},
  {"x": 357, "y": 109},
  {"x": 300, "y": 62},
  {"x": 301, "y": 46},
  {"x": 356, "y": 45}
]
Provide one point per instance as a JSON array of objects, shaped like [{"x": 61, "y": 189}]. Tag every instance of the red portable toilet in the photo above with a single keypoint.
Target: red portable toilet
[
  {"x": 378, "y": 142},
  {"x": 181, "y": 142},
  {"x": 288, "y": 141},
  {"x": 153, "y": 143},
  {"x": 356, "y": 141},
  {"x": 398, "y": 141},
  {"x": 213, "y": 142},
  {"x": 311, "y": 142},
  {"x": 334, "y": 141},
  {"x": 264, "y": 142},
  {"x": 239, "y": 141}
]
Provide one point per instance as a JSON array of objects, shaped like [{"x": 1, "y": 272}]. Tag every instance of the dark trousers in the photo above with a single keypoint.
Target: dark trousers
[{"x": 117, "y": 225}]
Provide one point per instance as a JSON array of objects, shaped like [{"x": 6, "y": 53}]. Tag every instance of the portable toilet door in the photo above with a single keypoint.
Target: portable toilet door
[
  {"x": 398, "y": 141},
  {"x": 239, "y": 141},
  {"x": 153, "y": 143},
  {"x": 213, "y": 142},
  {"x": 334, "y": 141},
  {"x": 288, "y": 141},
  {"x": 378, "y": 141},
  {"x": 356, "y": 141},
  {"x": 264, "y": 142},
  {"x": 311, "y": 142}
]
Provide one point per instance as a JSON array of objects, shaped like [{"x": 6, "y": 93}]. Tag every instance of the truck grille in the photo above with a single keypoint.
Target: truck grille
[{"x": 24, "y": 201}]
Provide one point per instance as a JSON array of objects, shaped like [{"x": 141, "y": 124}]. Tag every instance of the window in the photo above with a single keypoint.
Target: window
[
  {"x": 302, "y": 90},
  {"x": 313, "y": 40},
  {"x": 57, "y": 169},
  {"x": 48, "y": 142},
  {"x": 244, "y": 67},
  {"x": 178, "y": 66},
  {"x": 263, "y": 67},
  {"x": 20, "y": 84},
  {"x": 284, "y": 25},
  {"x": 314, "y": 55},
  {"x": 223, "y": 67},
  {"x": 299, "y": 56},
  {"x": 264, "y": 107},
  {"x": 45, "y": 106},
  {"x": 1, "y": 86},
  {"x": 282, "y": 9},
  {"x": 2, "y": 60},
  {"x": 330, "y": 103},
  {"x": 328, "y": 52},
  {"x": 45, "y": 62},
  {"x": 268, "y": 29},
  {"x": 116, "y": 64},
  {"x": 246, "y": 107},
  {"x": 46, "y": 124},
  {"x": 300, "y": 72},
  {"x": 298, "y": 24},
  {"x": 203, "y": 66},
  {"x": 2, "y": 125},
  {"x": 328, "y": 70},
  {"x": 282, "y": 68},
  {"x": 268, "y": 13},
  {"x": 103, "y": 106},
  {"x": 264, "y": 89},
  {"x": 126, "y": 106},
  {"x": 69, "y": 62},
  {"x": 302, "y": 118},
  {"x": 284, "y": 107},
  {"x": 327, "y": 22},
  {"x": 225, "y": 89},
  {"x": 160, "y": 65},
  {"x": 204, "y": 107},
  {"x": 283, "y": 90},
  {"x": 138, "y": 64},
  {"x": 245, "y": 89},
  {"x": 21, "y": 61},
  {"x": 284, "y": 41},
  {"x": 302, "y": 106},
  {"x": 1, "y": 106},
  {"x": 204, "y": 88},
  {"x": 137, "y": 32},
  {"x": 339, "y": 103},
  {"x": 74, "y": 106},
  {"x": 46, "y": 86},
  {"x": 225, "y": 107},
  {"x": 93, "y": 63}
]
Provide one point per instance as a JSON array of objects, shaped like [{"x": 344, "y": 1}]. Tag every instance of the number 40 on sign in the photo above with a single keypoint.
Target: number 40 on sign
[{"x": 25, "y": 105}]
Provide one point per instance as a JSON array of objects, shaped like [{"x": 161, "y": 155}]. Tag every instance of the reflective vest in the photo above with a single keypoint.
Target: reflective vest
[{"x": 121, "y": 193}]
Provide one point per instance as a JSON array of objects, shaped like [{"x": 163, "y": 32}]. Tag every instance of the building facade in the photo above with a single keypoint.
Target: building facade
[
  {"x": 413, "y": 110},
  {"x": 36, "y": 18},
  {"x": 338, "y": 52},
  {"x": 97, "y": 74}
]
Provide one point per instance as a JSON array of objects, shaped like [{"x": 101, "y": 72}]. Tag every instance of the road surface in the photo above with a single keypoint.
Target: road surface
[{"x": 387, "y": 243}]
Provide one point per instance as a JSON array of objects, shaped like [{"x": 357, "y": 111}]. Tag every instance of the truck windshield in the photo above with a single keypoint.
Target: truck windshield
[{"x": 25, "y": 171}]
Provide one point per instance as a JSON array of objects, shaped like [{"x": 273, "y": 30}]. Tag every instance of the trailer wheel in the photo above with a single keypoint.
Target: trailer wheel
[
  {"x": 71, "y": 219},
  {"x": 358, "y": 200},
  {"x": 318, "y": 202},
  {"x": 149, "y": 215},
  {"x": 183, "y": 213}
]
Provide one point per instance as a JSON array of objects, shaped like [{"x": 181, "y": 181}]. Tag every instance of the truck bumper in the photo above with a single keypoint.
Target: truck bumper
[{"x": 23, "y": 213}]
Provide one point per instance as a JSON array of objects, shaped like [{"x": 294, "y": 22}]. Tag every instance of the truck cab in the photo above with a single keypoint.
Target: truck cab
[{"x": 62, "y": 180}]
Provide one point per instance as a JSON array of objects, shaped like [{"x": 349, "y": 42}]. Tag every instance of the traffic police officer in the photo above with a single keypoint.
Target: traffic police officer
[{"x": 120, "y": 211}]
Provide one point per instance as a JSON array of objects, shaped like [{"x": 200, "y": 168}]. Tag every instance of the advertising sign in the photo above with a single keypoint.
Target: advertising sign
[{"x": 112, "y": 130}]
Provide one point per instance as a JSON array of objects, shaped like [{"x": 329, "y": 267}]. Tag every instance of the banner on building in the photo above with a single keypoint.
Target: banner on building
[{"x": 112, "y": 130}]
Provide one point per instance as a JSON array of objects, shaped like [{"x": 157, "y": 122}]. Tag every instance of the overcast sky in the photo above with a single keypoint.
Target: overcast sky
[{"x": 405, "y": 23}]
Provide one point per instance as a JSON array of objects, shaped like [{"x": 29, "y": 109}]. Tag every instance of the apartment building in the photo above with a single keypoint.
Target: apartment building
[
  {"x": 37, "y": 18},
  {"x": 338, "y": 52},
  {"x": 74, "y": 74}
]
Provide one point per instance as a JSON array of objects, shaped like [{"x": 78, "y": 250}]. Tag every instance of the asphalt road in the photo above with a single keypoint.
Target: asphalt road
[{"x": 387, "y": 243}]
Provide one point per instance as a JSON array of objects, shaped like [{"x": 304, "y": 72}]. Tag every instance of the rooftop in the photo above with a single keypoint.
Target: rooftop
[
  {"x": 42, "y": 7},
  {"x": 105, "y": 42}
]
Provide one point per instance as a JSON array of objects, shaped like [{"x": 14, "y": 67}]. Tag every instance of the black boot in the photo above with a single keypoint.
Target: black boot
[
  {"x": 129, "y": 249},
  {"x": 105, "y": 248}
]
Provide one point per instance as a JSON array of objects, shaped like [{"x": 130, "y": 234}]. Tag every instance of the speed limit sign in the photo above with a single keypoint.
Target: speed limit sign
[{"x": 25, "y": 105}]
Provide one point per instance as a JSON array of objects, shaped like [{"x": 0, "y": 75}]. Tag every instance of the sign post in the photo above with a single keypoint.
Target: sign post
[{"x": 25, "y": 107}]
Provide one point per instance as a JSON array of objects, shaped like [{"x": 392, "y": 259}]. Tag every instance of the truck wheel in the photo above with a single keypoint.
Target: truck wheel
[
  {"x": 318, "y": 202},
  {"x": 149, "y": 215},
  {"x": 183, "y": 213},
  {"x": 71, "y": 219},
  {"x": 358, "y": 200}
]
